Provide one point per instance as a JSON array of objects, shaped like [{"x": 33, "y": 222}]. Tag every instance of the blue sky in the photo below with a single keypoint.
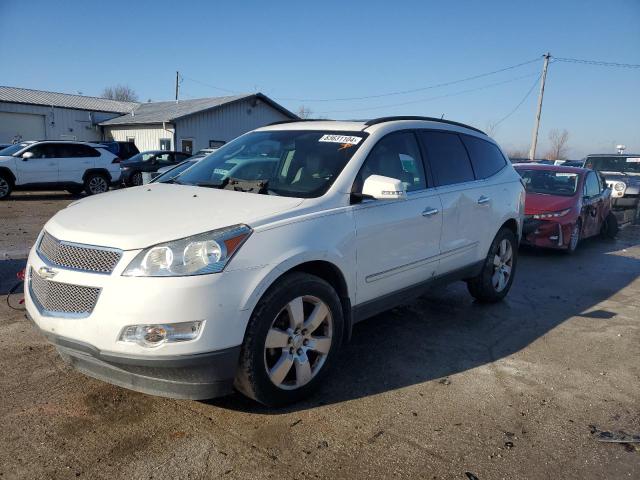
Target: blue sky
[{"x": 295, "y": 51}]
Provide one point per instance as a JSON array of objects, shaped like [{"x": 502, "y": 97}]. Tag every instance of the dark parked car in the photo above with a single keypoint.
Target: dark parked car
[
  {"x": 564, "y": 205},
  {"x": 123, "y": 150},
  {"x": 149, "y": 161}
]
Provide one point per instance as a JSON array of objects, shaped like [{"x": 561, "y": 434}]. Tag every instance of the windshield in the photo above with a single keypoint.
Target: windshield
[
  {"x": 142, "y": 157},
  {"x": 614, "y": 164},
  {"x": 548, "y": 182},
  {"x": 175, "y": 171},
  {"x": 14, "y": 148},
  {"x": 293, "y": 163}
]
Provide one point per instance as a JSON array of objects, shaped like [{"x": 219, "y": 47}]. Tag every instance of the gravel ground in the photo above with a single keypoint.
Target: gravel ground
[{"x": 435, "y": 389}]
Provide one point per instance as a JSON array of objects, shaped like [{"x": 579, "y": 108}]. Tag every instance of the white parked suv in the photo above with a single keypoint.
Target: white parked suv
[
  {"x": 256, "y": 282},
  {"x": 57, "y": 165}
]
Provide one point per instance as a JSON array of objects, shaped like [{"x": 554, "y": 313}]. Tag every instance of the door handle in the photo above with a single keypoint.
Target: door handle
[
  {"x": 483, "y": 200},
  {"x": 430, "y": 211}
]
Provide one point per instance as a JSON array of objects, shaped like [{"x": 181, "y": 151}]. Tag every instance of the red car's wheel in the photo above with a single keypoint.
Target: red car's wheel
[{"x": 575, "y": 237}]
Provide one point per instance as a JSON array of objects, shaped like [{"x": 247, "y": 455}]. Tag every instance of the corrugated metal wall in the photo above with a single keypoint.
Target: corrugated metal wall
[
  {"x": 60, "y": 123},
  {"x": 146, "y": 137},
  {"x": 226, "y": 123}
]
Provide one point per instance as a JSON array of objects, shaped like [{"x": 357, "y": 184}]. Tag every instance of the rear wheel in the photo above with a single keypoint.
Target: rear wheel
[
  {"x": 5, "y": 186},
  {"x": 136, "y": 179},
  {"x": 96, "y": 183},
  {"x": 494, "y": 281},
  {"x": 291, "y": 340},
  {"x": 609, "y": 226}
]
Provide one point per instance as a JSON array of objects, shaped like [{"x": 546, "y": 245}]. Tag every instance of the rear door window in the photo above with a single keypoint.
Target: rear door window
[
  {"x": 447, "y": 157},
  {"x": 486, "y": 158}
]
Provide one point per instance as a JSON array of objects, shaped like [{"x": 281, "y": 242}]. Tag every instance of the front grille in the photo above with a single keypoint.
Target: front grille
[
  {"x": 78, "y": 257},
  {"x": 62, "y": 299}
]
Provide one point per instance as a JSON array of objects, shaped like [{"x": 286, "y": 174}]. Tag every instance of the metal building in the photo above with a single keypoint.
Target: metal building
[
  {"x": 187, "y": 125},
  {"x": 191, "y": 125},
  {"x": 37, "y": 115}
]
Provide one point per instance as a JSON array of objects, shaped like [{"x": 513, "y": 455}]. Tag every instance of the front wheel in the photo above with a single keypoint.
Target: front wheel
[
  {"x": 95, "y": 183},
  {"x": 5, "y": 187},
  {"x": 494, "y": 281},
  {"x": 574, "y": 239},
  {"x": 291, "y": 340}
]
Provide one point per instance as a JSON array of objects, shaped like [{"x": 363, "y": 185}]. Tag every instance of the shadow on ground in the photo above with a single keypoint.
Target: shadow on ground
[{"x": 444, "y": 332}]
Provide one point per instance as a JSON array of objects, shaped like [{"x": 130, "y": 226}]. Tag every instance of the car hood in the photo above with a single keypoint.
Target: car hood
[
  {"x": 138, "y": 217},
  {"x": 539, "y": 203}
]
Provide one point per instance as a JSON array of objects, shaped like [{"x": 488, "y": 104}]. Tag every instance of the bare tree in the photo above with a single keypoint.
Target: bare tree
[
  {"x": 517, "y": 154},
  {"x": 491, "y": 128},
  {"x": 558, "y": 148},
  {"x": 123, "y": 93},
  {"x": 304, "y": 112}
]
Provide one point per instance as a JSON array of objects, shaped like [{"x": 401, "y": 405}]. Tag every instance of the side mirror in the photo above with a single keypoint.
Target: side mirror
[
  {"x": 26, "y": 156},
  {"x": 383, "y": 188}
]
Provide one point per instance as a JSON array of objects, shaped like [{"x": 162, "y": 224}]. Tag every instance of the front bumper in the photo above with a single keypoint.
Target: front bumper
[
  {"x": 195, "y": 377},
  {"x": 546, "y": 233}
]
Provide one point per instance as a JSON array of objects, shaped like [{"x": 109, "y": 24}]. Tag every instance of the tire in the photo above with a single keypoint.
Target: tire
[
  {"x": 495, "y": 280},
  {"x": 609, "y": 227},
  {"x": 136, "y": 179},
  {"x": 574, "y": 239},
  {"x": 96, "y": 183},
  {"x": 292, "y": 368},
  {"x": 6, "y": 186}
]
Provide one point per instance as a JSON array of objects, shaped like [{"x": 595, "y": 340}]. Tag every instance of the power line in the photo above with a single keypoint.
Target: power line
[
  {"x": 209, "y": 85},
  {"x": 414, "y": 90},
  {"x": 483, "y": 87},
  {"x": 520, "y": 103},
  {"x": 597, "y": 62}
]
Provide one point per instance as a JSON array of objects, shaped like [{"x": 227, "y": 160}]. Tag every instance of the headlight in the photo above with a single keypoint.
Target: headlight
[
  {"x": 561, "y": 213},
  {"x": 618, "y": 187},
  {"x": 200, "y": 254},
  {"x": 156, "y": 335}
]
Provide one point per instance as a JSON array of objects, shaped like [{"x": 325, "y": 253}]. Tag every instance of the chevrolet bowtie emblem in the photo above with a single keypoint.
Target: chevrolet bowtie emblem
[{"x": 46, "y": 272}]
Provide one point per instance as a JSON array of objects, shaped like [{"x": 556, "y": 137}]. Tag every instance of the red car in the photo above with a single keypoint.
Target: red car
[{"x": 564, "y": 205}]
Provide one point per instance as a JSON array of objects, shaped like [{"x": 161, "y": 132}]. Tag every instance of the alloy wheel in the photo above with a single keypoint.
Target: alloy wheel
[
  {"x": 4, "y": 188},
  {"x": 298, "y": 342},
  {"x": 98, "y": 185},
  {"x": 502, "y": 265},
  {"x": 575, "y": 237}
]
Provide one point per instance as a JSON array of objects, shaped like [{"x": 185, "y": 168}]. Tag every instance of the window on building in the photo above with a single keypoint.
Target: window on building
[
  {"x": 216, "y": 143},
  {"x": 131, "y": 139},
  {"x": 447, "y": 156},
  {"x": 165, "y": 144}
]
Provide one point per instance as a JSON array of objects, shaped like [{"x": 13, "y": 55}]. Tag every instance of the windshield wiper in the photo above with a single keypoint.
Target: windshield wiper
[{"x": 211, "y": 184}]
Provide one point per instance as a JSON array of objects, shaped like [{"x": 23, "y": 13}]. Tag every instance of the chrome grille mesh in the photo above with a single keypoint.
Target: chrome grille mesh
[
  {"x": 78, "y": 257},
  {"x": 62, "y": 298}
]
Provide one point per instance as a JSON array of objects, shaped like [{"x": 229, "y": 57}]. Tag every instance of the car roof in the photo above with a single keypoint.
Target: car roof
[
  {"x": 70, "y": 142},
  {"x": 622, "y": 155},
  {"x": 552, "y": 168},
  {"x": 372, "y": 125}
]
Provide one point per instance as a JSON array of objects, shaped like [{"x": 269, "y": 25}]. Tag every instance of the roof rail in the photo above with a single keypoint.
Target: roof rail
[
  {"x": 375, "y": 121},
  {"x": 280, "y": 122}
]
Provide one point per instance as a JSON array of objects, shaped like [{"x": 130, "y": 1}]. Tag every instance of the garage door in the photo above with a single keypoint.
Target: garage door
[{"x": 23, "y": 125}]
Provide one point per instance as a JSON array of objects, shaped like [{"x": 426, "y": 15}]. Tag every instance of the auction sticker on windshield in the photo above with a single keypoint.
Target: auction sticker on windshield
[
  {"x": 633, "y": 160},
  {"x": 348, "y": 139}
]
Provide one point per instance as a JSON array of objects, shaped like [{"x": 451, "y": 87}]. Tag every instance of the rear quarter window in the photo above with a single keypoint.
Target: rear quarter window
[{"x": 486, "y": 158}]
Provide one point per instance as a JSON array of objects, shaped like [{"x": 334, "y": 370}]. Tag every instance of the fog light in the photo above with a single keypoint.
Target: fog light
[{"x": 156, "y": 335}]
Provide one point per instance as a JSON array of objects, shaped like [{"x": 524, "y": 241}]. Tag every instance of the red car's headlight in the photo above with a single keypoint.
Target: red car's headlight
[{"x": 561, "y": 213}]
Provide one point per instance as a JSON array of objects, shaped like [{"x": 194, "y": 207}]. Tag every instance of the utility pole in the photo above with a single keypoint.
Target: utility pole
[
  {"x": 534, "y": 140},
  {"x": 177, "y": 83}
]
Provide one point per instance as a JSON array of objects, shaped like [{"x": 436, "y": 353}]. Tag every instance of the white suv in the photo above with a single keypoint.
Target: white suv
[
  {"x": 53, "y": 165},
  {"x": 255, "y": 280}
]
